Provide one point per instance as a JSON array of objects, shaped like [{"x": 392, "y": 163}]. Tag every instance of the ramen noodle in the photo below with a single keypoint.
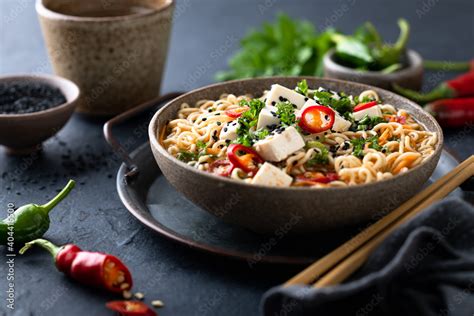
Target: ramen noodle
[{"x": 300, "y": 137}]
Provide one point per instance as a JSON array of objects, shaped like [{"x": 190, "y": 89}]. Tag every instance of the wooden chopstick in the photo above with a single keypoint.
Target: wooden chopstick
[
  {"x": 324, "y": 264},
  {"x": 356, "y": 259}
]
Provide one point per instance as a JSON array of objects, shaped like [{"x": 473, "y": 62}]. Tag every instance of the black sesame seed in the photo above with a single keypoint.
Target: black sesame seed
[
  {"x": 273, "y": 103},
  {"x": 281, "y": 98},
  {"x": 204, "y": 119},
  {"x": 217, "y": 114},
  {"x": 227, "y": 141},
  {"x": 218, "y": 123},
  {"x": 306, "y": 99},
  {"x": 225, "y": 129},
  {"x": 294, "y": 106},
  {"x": 215, "y": 138},
  {"x": 326, "y": 117}
]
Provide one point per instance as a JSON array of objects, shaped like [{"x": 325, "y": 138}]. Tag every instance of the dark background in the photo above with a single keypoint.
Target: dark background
[{"x": 205, "y": 34}]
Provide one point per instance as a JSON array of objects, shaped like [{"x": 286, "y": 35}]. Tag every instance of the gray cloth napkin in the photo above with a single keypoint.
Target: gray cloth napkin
[{"x": 426, "y": 267}]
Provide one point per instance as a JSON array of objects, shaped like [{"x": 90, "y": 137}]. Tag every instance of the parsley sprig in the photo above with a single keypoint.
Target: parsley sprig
[
  {"x": 359, "y": 145},
  {"x": 286, "y": 113},
  {"x": 320, "y": 156},
  {"x": 247, "y": 120},
  {"x": 343, "y": 104}
]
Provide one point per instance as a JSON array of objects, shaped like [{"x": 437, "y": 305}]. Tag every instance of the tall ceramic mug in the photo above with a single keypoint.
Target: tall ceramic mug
[{"x": 114, "y": 50}]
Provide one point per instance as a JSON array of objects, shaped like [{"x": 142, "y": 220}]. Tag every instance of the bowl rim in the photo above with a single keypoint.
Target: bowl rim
[
  {"x": 46, "y": 12},
  {"x": 414, "y": 58},
  {"x": 48, "y": 79},
  {"x": 152, "y": 127}
]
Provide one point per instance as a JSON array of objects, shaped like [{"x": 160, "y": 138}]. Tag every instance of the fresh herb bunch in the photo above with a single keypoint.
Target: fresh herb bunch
[
  {"x": 249, "y": 119},
  {"x": 288, "y": 47},
  {"x": 286, "y": 113},
  {"x": 292, "y": 47}
]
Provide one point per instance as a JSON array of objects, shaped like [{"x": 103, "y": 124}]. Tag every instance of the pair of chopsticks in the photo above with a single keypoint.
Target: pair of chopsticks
[{"x": 339, "y": 264}]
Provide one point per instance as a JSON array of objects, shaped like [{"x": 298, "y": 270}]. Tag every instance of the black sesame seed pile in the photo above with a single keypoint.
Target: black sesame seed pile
[{"x": 21, "y": 97}]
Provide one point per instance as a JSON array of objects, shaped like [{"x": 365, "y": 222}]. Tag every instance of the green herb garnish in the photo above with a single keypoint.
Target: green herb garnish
[
  {"x": 247, "y": 120},
  {"x": 319, "y": 157},
  {"x": 201, "y": 145},
  {"x": 367, "y": 122},
  {"x": 286, "y": 113},
  {"x": 359, "y": 145},
  {"x": 302, "y": 87},
  {"x": 342, "y": 105},
  {"x": 186, "y": 156}
]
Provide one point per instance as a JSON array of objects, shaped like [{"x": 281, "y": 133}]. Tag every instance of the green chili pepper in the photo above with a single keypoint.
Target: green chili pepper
[{"x": 30, "y": 221}]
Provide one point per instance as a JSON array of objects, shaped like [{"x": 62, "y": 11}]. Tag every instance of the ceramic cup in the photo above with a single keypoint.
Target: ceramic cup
[{"x": 115, "y": 50}]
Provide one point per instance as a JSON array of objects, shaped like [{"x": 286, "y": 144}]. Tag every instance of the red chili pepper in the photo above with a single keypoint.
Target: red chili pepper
[
  {"x": 461, "y": 86},
  {"x": 309, "y": 177},
  {"x": 363, "y": 106},
  {"x": 221, "y": 167},
  {"x": 311, "y": 119},
  {"x": 453, "y": 112},
  {"x": 244, "y": 158},
  {"x": 89, "y": 268},
  {"x": 237, "y": 112},
  {"x": 131, "y": 308}
]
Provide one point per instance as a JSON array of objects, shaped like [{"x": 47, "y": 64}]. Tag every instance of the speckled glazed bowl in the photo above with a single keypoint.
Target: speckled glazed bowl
[
  {"x": 295, "y": 209},
  {"x": 24, "y": 133},
  {"x": 409, "y": 77},
  {"x": 116, "y": 57}
]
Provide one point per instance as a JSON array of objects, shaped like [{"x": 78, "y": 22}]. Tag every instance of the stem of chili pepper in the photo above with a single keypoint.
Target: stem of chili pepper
[
  {"x": 46, "y": 244},
  {"x": 59, "y": 197},
  {"x": 446, "y": 65}
]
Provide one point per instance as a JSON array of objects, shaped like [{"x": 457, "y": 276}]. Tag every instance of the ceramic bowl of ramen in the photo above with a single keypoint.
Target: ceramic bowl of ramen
[{"x": 295, "y": 154}]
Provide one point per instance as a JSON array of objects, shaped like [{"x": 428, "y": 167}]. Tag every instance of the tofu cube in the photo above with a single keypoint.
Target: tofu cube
[
  {"x": 280, "y": 94},
  {"x": 267, "y": 117},
  {"x": 271, "y": 175},
  {"x": 340, "y": 123},
  {"x": 229, "y": 131},
  {"x": 280, "y": 145},
  {"x": 373, "y": 111}
]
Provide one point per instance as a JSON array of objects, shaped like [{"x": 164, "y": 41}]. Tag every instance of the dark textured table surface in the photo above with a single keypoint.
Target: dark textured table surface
[{"x": 205, "y": 34}]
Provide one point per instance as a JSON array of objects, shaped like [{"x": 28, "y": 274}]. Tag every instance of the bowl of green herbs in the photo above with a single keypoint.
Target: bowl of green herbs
[
  {"x": 364, "y": 57},
  {"x": 293, "y": 47}
]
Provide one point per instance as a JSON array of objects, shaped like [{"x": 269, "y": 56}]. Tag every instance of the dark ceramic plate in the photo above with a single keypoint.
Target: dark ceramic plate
[{"x": 153, "y": 201}]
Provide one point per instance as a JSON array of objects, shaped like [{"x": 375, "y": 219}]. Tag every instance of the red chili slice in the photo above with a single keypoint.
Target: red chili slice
[
  {"x": 317, "y": 177},
  {"x": 363, "y": 106},
  {"x": 311, "y": 121},
  {"x": 244, "y": 158},
  {"x": 221, "y": 167},
  {"x": 237, "y": 112},
  {"x": 131, "y": 308}
]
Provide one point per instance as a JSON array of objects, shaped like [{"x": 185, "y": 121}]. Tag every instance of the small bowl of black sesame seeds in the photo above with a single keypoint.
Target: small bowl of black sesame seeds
[{"x": 32, "y": 109}]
